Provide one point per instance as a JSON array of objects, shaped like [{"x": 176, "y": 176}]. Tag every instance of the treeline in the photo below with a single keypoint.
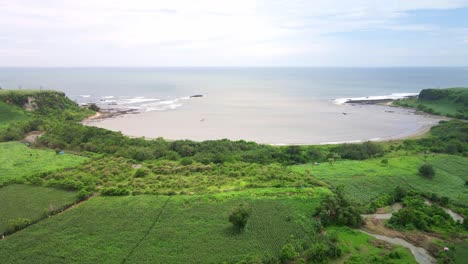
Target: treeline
[
  {"x": 120, "y": 176},
  {"x": 448, "y": 137},
  {"x": 74, "y": 136},
  {"x": 451, "y": 102}
]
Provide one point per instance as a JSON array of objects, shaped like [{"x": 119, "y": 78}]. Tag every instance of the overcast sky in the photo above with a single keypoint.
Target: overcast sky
[{"x": 233, "y": 33}]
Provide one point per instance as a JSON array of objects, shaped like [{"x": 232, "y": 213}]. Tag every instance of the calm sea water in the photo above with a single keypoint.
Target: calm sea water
[
  {"x": 129, "y": 85},
  {"x": 268, "y": 105}
]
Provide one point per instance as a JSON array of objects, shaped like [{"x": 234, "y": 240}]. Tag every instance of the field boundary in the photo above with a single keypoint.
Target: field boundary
[{"x": 147, "y": 232}]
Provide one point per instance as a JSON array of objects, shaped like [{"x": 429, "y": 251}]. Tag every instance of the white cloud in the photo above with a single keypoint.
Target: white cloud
[{"x": 188, "y": 32}]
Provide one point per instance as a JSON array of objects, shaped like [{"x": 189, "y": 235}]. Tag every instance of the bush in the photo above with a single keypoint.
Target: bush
[
  {"x": 427, "y": 171},
  {"x": 17, "y": 224},
  {"x": 336, "y": 209},
  {"x": 239, "y": 216},
  {"x": 186, "y": 161},
  {"x": 94, "y": 107},
  {"x": 140, "y": 173},
  {"x": 115, "y": 191},
  {"x": 288, "y": 253}
]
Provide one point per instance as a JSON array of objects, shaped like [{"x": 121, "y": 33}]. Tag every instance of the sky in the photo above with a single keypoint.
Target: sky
[{"x": 154, "y": 33}]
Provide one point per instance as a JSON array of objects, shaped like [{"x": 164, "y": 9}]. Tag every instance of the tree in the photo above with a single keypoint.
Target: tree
[
  {"x": 336, "y": 209},
  {"x": 427, "y": 171},
  {"x": 94, "y": 107},
  {"x": 288, "y": 253},
  {"x": 239, "y": 216}
]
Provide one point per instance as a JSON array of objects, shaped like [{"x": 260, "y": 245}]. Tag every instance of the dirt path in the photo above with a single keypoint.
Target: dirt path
[
  {"x": 32, "y": 136},
  {"x": 421, "y": 255}
]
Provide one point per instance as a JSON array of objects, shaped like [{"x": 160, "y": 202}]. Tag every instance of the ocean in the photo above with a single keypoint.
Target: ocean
[{"x": 268, "y": 105}]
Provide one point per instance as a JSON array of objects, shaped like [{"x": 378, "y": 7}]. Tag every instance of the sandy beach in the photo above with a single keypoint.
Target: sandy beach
[{"x": 277, "y": 123}]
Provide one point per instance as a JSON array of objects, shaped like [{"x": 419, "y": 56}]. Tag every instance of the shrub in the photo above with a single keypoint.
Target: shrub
[
  {"x": 17, "y": 224},
  {"x": 140, "y": 173},
  {"x": 317, "y": 253},
  {"x": 336, "y": 209},
  {"x": 94, "y": 107},
  {"x": 288, "y": 253},
  {"x": 239, "y": 216},
  {"x": 186, "y": 161},
  {"x": 427, "y": 171},
  {"x": 115, "y": 191}
]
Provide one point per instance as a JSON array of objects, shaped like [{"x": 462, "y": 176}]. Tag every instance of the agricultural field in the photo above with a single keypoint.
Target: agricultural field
[
  {"x": 366, "y": 180},
  {"x": 166, "y": 229},
  {"x": 31, "y": 203},
  {"x": 18, "y": 161},
  {"x": 184, "y": 228},
  {"x": 358, "y": 247},
  {"x": 461, "y": 252},
  {"x": 10, "y": 114}
]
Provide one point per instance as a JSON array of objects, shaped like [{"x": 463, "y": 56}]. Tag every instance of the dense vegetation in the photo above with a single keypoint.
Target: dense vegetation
[
  {"x": 416, "y": 214},
  {"x": 452, "y": 102},
  {"x": 176, "y": 198}
]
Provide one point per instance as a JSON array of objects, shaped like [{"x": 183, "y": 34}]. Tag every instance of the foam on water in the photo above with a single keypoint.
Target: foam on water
[{"x": 393, "y": 96}]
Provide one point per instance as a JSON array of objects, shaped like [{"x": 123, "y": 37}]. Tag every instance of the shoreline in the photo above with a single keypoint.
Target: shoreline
[{"x": 115, "y": 116}]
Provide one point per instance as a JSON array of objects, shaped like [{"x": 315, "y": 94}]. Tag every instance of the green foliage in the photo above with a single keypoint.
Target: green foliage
[
  {"x": 417, "y": 215},
  {"x": 427, "y": 171},
  {"x": 366, "y": 180},
  {"x": 239, "y": 216},
  {"x": 288, "y": 253},
  {"x": 452, "y": 102},
  {"x": 94, "y": 107},
  {"x": 21, "y": 201},
  {"x": 18, "y": 161},
  {"x": 11, "y": 114},
  {"x": 170, "y": 177},
  {"x": 115, "y": 191},
  {"x": 338, "y": 210},
  {"x": 160, "y": 226},
  {"x": 140, "y": 173},
  {"x": 357, "y": 247},
  {"x": 17, "y": 224},
  {"x": 360, "y": 151}
]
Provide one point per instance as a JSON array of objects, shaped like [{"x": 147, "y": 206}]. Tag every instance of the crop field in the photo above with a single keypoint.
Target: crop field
[
  {"x": 17, "y": 161},
  {"x": 366, "y": 180},
  {"x": 9, "y": 114},
  {"x": 165, "y": 229},
  {"x": 358, "y": 247},
  {"x": 461, "y": 252},
  {"x": 30, "y": 202}
]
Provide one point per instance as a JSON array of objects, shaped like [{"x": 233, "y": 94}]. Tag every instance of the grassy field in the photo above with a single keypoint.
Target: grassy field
[
  {"x": 366, "y": 180},
  {"x": 165, "y": 229},
  {"x": 358, "y": 247},
  {"x": 30, "y": 202},
  {"x": 10, "y": 114},
  {"x": 17, "y": 161}
]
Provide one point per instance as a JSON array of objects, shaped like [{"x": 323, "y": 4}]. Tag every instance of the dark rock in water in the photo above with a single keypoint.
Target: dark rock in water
[
  {"x": 376, "y": 101},
  {"x": 196, "y": 95},
  {"x": 344, "y": 113}
]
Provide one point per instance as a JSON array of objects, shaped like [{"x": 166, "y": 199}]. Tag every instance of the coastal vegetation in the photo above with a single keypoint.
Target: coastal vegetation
[
  {"x": 216, "y": 201},
  {"x": 452, "y": 102}
]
